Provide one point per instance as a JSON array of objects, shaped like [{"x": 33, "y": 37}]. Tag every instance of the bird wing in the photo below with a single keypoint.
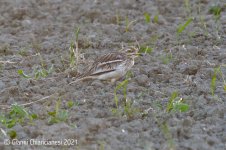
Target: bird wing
[
  {"x": 110, "y": 58},
  {"x": 104, "y": 64}
]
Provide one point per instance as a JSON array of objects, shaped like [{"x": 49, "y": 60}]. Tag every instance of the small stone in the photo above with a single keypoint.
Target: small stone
[
  {"x": 26, "y": 23},
  {"x": 132, "y": 88},
  {"x": 187, "y": 122},
  {"x": 142, "y": 80},
  {"x": 188, "y": 69},
  {"x": 212, "y": 140}
]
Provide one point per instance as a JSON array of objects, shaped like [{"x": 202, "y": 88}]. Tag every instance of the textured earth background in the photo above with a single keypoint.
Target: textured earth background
[{"x": 38, "y": 33}]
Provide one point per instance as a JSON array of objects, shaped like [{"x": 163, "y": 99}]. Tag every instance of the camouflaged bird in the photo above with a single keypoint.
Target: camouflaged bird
[{"x": 110, "y": 66}]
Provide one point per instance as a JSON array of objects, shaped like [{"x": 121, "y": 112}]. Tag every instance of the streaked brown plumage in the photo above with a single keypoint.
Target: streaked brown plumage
[{"x": 111, "y": 66}]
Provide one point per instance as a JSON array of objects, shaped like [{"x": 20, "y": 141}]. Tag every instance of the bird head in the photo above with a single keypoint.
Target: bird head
[{"x": 132, "y": 51}]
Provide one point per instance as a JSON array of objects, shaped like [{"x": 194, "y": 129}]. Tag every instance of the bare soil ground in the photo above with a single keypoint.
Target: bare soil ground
[{"x": 37, "y": 34}]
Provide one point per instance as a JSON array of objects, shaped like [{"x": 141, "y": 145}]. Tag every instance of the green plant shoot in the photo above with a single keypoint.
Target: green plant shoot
[
  {"x": 147, "y": 17},
  {"x": 21, "y": 73},
  {"x": 182, "y": 27},
  {"x": 123, "y": 85}
]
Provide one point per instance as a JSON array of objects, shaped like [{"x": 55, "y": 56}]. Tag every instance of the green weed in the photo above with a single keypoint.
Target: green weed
[
  {"x": 149, "y": 46},
  {"x": 70, "y": 104},
  {"x": 169, "y": 107},
  {"x": 166, "y": 58},
  {"x": 165, "y": 129},
  {"x": 101, "y": 145},
  {"x": 21, "y": 73},
  {"x": 129, "y": 24},
  {"x": 216, "y": 11},
  {"x": 217, "y": 71},
  {"x": 42, "y": 72},
  {"x": 72, "y": 54},
  {"x": 59, "y": 114},
  {"x": 123, "y": 85},
  {"x": 37, "y": 73},
  {"x": 156, "y": 18},
  {"x": 128, "y": 109},
  {"x": 118, "y": 19},
  {"x": 73, "y": 50},
  {"x": 16, "y": 115},
  {"x": 23, "y": 52},
  {"x": 176, "y": 104},
  {"x": 12, "y": 134},
  {"x": 213, "y": 80},
  {"x": 147, "y": 17},
  {"x": 145, "y": 49},
  {"x": 182, "y": 27}
]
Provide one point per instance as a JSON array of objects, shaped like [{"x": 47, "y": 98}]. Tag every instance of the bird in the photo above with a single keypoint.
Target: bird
[{"x": 111, "y": 66}]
